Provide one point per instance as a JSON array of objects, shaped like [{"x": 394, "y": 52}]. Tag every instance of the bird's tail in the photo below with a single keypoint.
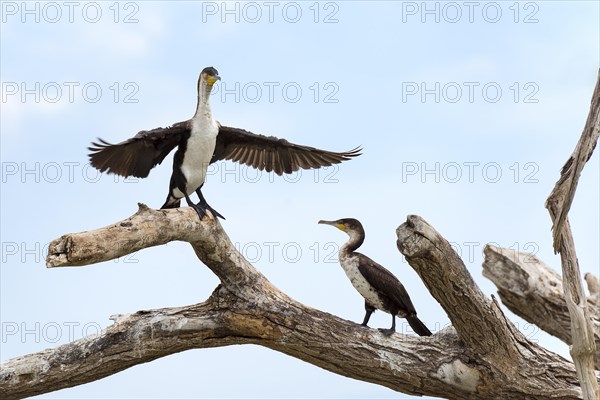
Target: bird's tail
[
  {"x": 171, "y": 202},
  {"x": 418, "y": 326}
]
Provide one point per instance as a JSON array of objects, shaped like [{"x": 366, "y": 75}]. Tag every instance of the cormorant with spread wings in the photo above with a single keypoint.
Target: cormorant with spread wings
[{"x": 200, "y": 141}]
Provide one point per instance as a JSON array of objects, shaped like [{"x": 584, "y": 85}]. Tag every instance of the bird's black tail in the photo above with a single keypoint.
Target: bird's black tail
[
  {"x": 418, "y": 326},
  {"x": 171, "y": 203}
]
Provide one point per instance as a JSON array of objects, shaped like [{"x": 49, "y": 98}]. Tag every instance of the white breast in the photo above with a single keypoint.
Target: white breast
[
  {"x": 350, "y": 266},
  {"x": 199, "y": 151}
]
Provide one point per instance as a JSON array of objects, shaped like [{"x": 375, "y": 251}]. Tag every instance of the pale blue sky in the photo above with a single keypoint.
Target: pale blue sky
[{"x": 506, "y": 96}]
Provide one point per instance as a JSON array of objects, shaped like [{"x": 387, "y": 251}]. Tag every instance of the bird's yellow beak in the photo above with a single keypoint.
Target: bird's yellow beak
[
  {"x": 341, "y": 227},
  {"x": 212, "y": 79}
]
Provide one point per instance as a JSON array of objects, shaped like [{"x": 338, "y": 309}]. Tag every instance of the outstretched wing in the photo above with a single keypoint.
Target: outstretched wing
[
  {"x": 386, "y": 283},
  {"x": 138, "y": 155},
  {"x": 272, "y": 154}
]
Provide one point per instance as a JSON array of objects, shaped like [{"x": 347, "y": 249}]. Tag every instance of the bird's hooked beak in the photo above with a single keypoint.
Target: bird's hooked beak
[
  {"x": 211, "y": 79},
  {"x": 336, "y": 224}
]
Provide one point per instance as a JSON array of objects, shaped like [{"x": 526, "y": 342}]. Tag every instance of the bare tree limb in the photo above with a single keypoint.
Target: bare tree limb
[
  {"x": 149, "y": 228},
  {"x": 478, "y": 321},
  {"x": 558, "y": 205},
  {"x": 534, "y": 291},
  {"x": 560, "y": 199},
  {"x": 246, "y": 308},
  {"x": 594, "y": 288},
  {"x": 225, "y": 319}
]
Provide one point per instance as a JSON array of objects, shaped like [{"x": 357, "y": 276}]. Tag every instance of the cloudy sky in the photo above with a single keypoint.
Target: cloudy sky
[{"x": 466, "y": 114}]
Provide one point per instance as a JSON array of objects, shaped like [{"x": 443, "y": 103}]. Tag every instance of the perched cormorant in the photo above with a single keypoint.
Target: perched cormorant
[
  {"x": 380, "y": 288},
  {"x": 200, "y": 141}
]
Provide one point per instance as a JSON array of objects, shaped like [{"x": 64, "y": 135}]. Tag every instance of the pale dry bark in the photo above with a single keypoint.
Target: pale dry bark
[
  {"x": 534, "y": 291},
  {"x": 486, "y": 357},
  {"x": 558, "y": 204},
  {"x": 594, "y": 288}
]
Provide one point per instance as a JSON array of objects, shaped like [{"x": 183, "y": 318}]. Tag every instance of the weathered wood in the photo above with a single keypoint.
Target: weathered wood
[
  {"x": 478, "y": 321},
  {"x": 560, "y": 199},
  {"x": 534, "y": 291},
  {"x": 319, "y": 338},
  {"x": 594, "y": 288},
  {"x": 558, "y": 204},
  {"x": 246, "y": 308}
]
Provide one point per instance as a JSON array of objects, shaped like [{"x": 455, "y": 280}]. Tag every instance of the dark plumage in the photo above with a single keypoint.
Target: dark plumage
[
  {"x": 138, "y": 155},
  {"x": 379, "y": 287},
  {"x": 272, "y": 154}
]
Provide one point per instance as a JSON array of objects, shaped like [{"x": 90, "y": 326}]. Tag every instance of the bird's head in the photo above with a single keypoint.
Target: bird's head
[
  {"x": 348, "y": 225},
  {"x": 209, "y": 75}
]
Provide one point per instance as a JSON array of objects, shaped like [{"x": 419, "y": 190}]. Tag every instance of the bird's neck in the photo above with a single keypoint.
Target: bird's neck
[
  {"x": 203, "y": 104},
  {"x": 355, "y": 241}
]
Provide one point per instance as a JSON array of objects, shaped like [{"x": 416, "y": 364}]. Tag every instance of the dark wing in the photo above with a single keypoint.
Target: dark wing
[
  {"x": 138, "y": 155},
  {"x": 272, "y": 154},
  {"x": 386, "y": 283}
]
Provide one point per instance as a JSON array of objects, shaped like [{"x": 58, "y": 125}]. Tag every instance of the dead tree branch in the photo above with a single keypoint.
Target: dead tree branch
[
  {"x": 478, "y": 320},
  {"x": 558, "y": 205},
  {"x": 594, "y": 288},
  {"x": 485, "y": 358},
  {"x": 534, "y": 291}
]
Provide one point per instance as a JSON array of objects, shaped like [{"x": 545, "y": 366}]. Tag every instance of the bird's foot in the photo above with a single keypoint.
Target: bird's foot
[
  {"x": 201, "y": 211},
  {"x": 205, "y": 207},
  {"x": 387, "y": 332},
  {"x": 216, "y": 213}
]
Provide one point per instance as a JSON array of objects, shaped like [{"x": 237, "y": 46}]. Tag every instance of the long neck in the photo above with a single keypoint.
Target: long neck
[
  {"x": 356, "y": 239},
  {"x": 203, "y": 104}
]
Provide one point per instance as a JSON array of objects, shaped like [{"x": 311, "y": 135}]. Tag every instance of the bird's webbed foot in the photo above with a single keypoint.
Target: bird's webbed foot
[
  {"x": 199, "y": 208},
  {"x": 205, "y": 207},
  {"x": 201, "y": 211},
  {"x": 387, "y": 332}
]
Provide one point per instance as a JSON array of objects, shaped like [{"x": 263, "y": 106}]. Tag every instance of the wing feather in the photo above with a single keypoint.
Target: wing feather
[
  {"x": 272, "y": 154},
  {"x": 138, "y": 155}
]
